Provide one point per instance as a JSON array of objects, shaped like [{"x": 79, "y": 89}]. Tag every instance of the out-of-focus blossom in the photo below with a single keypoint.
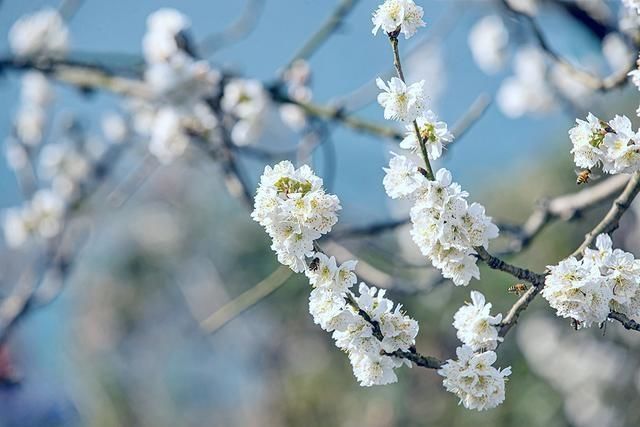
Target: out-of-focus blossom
[
  {"x": 42, "y": 33},
  {"x": 489, "y": 40}
]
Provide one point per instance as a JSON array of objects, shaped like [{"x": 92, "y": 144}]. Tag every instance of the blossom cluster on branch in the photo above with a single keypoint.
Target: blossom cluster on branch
[
  {"x": 586, "y": 290},
  {"x": 294, "y": 209},
  {"x": 612, "y": 146}
]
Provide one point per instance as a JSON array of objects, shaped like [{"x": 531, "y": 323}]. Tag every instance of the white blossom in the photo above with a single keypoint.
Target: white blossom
[
  {"x": 168, "y": 139},
  {"x": 40, "y": 217},
  {"x": 295, "y": 210},
  {"x": 527, "y": 91},
  {"x": 476, "y": 327},
  {"x": 394, "y": 15},
  {"x": 42, "y": 33},
  {"x": 474, "y": 380},
  {"x": 114, "y": 127},
  {"x": 163, "y": 26},
  {"x": 612, "y": 146},
  {"x": 401, "y": 102},
  {"x": 488, "y": 40},
  {"x": 249, "y": 103},
  {"x": 402, "y": 177},
  {"x": 64, "y": 166},
  {"x": 446, "y": 228},
  {"x": 433, "y": 132},
  {"x": 583, "y": 290}
]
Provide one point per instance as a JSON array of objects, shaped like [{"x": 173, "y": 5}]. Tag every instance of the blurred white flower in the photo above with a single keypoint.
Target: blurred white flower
[
  {"x": 489, "y": 40},
  {"x": 527, "y": 91},
  {"x": 114, "y": 127},
  {"x": 42, "y": 33},
  {"x": 168, "y": 139},
  {"x": 41, "y": 217}
]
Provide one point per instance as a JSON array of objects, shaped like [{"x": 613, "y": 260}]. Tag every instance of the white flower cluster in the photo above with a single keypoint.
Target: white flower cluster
[
  {"x": 586, "y": 290},
  {"x": 41, "y": 217},
  {"x": 180, "y": 85},
  {"x": 65, "y": 166},
  {"x": 612, "y": 146},
  {"x": 41, "y": 34},
  {"x": 294, "y": 209},
  {"x": 475, "y": 324},
  {"x": 445, "y": 226},
  {"x": 292, "y": 206},
  {"x": 367, "y": 348},
  {"x": 248, "y": 102},
  {"x": 398, "y": 15},
  {"x": 472, "y": 377},
  {"x": 35, "y": 96},
  {"x": 474, "y": 380}
]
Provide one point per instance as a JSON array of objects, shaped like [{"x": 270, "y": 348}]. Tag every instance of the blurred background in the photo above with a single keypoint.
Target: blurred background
[{"x": 123, "y": 335}]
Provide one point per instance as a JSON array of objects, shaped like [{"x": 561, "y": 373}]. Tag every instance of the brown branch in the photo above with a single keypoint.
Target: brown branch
[
  {"x": 608, "y": 224},
  {"x": 428, "y": 362},
  {"x": 628, "y": 324},
  {"x": 566, "y": 207},
  {"x": 496, "y": 263}
]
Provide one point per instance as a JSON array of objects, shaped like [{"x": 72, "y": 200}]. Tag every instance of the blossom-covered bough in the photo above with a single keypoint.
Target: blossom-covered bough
[{"x": 180, "y": 100}]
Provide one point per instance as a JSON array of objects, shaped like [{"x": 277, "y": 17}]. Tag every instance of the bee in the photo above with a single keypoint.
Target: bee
[
  {"x": 585, "y": 176},
  {"x": 518, "y": 289},
  {"x": 314, "y": 264}
]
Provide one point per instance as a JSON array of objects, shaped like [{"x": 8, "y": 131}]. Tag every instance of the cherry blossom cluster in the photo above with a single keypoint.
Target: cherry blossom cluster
[
  {"x": 292, "y": 206},
  {"x": 402, "y": 16},
  {"x": 41, "y": 34},
  {"x": 614, "y": 146},
  {"x": 476, "y": 327},
  {"x": 474, "y": 380},
  {"x": 369, "y": 342},
  {"x": 294, "y": 209},
  {"x": 180, "y": 86},
  {"x": 248, "y": 103},
  {"x": 586, "y": 290},
  {"x": 445, "y": 226},
  {"x": 39, "y": 218},
  {"x": 36, "y": 94}
]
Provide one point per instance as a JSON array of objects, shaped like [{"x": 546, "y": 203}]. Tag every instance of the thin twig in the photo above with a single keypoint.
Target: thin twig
[
  {"x": 246, "y": 300},
  {"x": 611, "y": 220},
  {"x": 328, "y": 28}
]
